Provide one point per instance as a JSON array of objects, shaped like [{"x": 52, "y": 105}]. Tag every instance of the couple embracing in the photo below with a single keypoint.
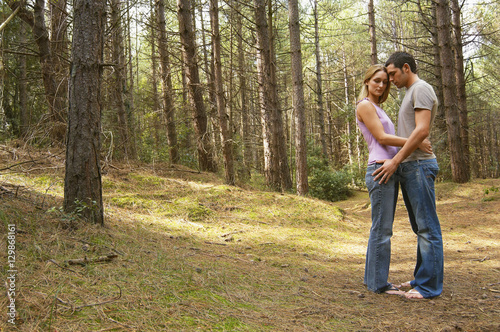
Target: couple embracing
[{"x": 413, "y": 166}]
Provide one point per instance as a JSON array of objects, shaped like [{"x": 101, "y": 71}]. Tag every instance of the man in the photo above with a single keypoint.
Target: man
[{"x": 416, "y": 171}]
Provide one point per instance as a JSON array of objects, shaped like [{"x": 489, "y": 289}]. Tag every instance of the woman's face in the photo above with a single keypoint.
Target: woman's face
[{"x": 378, "y": 83}]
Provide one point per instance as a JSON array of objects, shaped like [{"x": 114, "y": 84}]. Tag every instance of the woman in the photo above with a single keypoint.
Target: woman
[{"x": 378, "y": 131}]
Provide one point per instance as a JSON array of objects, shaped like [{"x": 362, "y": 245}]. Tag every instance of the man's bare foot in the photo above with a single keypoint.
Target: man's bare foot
[{"x": 413, "y": 294}]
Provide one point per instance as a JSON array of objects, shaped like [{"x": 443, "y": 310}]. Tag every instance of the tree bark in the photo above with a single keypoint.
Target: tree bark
[
  {"x": 319, "y": 85},
  {"x": 447, "y": 61},
  {"x": 298, "y": 99},
  {"x": 56, "y": 98},
  {"x": 204, "y": 145},
  {"x": 166, "y": 83},
  {"x": 24, "y": 116},
  {"x": 267, "y": 98},
  {"x": 461, "y": 91},
  {"x": 82, "y": 183},
  {"x": 227, "y": 146},
  {"x": 372, "y": 31},
  {"x": 119, "y": 81},
  {"x": 245, "y": 107}
]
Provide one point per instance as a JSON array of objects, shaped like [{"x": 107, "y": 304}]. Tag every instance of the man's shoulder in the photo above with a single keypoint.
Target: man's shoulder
[{"x": 421, "y": 84}]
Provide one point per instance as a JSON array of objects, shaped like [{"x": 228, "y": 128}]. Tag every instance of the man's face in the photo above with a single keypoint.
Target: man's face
[{"x": 397, "y": 76}]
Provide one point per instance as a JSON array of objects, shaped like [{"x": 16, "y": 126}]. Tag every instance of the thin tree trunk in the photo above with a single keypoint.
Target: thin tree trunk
[
  {"x": 204, "y": 146},
  {"x": 212, "y": 96},
  {"x": 298, "y": 99},
  {"x": 346, "y": 107},
  {"x": 461, "y": 92},
  {"x": 227, "y": 146},
  {"x": 24, "y": 115},
  {"x": 82, "y": 183},
  {"x": 372, "y": 31},
  {"x": 55, "y": 101},
  {"x": 119, "y": 80},
  {"x": 264, "y": 68},
  {"x": 166, "y": 83},
  {"x": 319, "y": 84},
  {"x": 245, "y": 108},
  {"x": 129, "y": 92},
  {"x": 278, "y": 127}
]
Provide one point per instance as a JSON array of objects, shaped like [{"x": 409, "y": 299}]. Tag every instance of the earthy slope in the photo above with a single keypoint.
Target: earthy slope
[{"x": 188, "y": 253}]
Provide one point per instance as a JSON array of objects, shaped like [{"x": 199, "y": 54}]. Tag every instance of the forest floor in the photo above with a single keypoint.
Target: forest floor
[{"x": 187, "y": 253}]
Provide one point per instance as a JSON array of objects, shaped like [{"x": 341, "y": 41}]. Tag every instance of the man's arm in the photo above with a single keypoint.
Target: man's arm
[{"x": 421, "y": 131}]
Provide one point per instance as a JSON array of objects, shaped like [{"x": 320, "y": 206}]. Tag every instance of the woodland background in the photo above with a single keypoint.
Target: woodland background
[{"x": 251, "y": 90}]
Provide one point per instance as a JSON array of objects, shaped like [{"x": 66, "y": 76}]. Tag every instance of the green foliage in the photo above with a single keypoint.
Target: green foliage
[
  {"x": 324, "y": 182},
  {"x": 494, "y": 194},
  {"x": 329, "y": 185}
]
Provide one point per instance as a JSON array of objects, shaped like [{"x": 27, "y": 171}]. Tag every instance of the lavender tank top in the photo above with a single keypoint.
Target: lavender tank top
[{"x": 376, "y": 150}]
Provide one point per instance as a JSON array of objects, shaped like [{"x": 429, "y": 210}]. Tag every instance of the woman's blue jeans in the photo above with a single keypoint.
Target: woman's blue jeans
[
  {"x": 417, "y": 185},
  {"x": 383, "y": 199}
]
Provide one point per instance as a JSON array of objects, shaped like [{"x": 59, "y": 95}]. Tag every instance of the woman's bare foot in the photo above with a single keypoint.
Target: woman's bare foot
[
  {"x": 413, "y": 294},
  {"x": 405, "y": 285}
]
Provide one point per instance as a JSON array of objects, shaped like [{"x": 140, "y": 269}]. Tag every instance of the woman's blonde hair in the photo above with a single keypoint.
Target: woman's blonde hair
[{"x": 368, "y": 75}]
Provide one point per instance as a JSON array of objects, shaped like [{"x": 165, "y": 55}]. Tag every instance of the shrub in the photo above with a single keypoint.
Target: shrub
[{"x": 329, "y": 185}]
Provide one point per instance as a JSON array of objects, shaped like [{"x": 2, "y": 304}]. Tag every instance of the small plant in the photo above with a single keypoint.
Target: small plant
[
  {"x": 492, "y": 190},
  {"x": 329, "y": 185}
]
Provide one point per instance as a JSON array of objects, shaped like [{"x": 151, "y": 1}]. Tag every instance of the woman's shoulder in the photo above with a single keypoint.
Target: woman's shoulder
[{"x": 365, "y": 104}]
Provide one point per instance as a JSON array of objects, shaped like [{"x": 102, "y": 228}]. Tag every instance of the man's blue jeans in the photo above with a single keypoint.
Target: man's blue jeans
[
  {"x": 417, "y": 185},
  {"x": 383, "y": 199}
]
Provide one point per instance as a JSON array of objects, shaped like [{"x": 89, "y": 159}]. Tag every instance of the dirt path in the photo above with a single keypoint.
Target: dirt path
[{"x": 470, "y": 219}]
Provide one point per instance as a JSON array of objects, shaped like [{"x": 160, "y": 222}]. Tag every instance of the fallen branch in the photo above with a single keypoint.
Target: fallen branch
[
  {"x": 101, "y": 303},
  {"x": 62, "y": 267},
  {"x": 85, "y": 260}
]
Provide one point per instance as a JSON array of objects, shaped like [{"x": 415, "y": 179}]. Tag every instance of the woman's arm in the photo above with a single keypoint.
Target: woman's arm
[{"x": 367, "y": 114}]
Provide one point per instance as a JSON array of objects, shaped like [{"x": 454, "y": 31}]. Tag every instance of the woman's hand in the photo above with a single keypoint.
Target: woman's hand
[{"x": 426, "y": 146}]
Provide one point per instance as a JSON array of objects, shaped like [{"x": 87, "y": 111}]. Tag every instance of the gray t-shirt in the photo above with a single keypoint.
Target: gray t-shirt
[{"x": 420, "y": 95}]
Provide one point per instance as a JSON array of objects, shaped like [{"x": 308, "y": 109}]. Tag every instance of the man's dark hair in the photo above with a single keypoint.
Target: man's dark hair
[{"x": 398, "y": 59}]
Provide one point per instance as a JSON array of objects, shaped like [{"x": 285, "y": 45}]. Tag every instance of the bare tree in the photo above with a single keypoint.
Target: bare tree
[
  {"x": 204, "y": 145},
  {"x": 227, "y": 146},
  {"x": 372, "y": 31},
  {"x": 460, "y": 77},
  {"x": 270, "y": 117},
  {"x": 319, "y": 84},
  {"x": 56, "y": 99},
  {"x": 166, "y": 82},
  {"x": 119, "y": 85},
  {"x": 82, "y": 183},
  {"x": 298, "y": 98},
  {"x": 459, "y": 167}
]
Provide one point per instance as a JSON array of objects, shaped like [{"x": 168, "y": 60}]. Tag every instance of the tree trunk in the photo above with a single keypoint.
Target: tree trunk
[
  {"x": 271, "y": 161},
  {"x": 59, "y": 48},
  {"x": 82, "y": 183},
  {"x": 157, "y": 109},
  {"x": 166, "y": 83},
  {"x": 245, "y": 107},
  {"x": 457, "y": 160},
  {"x": 119, "y": 78},
  {"x": 298, "y": 99},
  {"x": 129, "y": 92},
  {"x": 461, "y": 93},
  {"x": 227, "y": 146},
  {"x": 24, "y": 115},
  {"x": 56, "y": 99},
  {"x": 346, "y": 110},
  {"x": 371, "y": 28},
  {"x": 319, "y": 85},
  {"x": 204, "y": 145},
  {"x": 277, "y": 113}
]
